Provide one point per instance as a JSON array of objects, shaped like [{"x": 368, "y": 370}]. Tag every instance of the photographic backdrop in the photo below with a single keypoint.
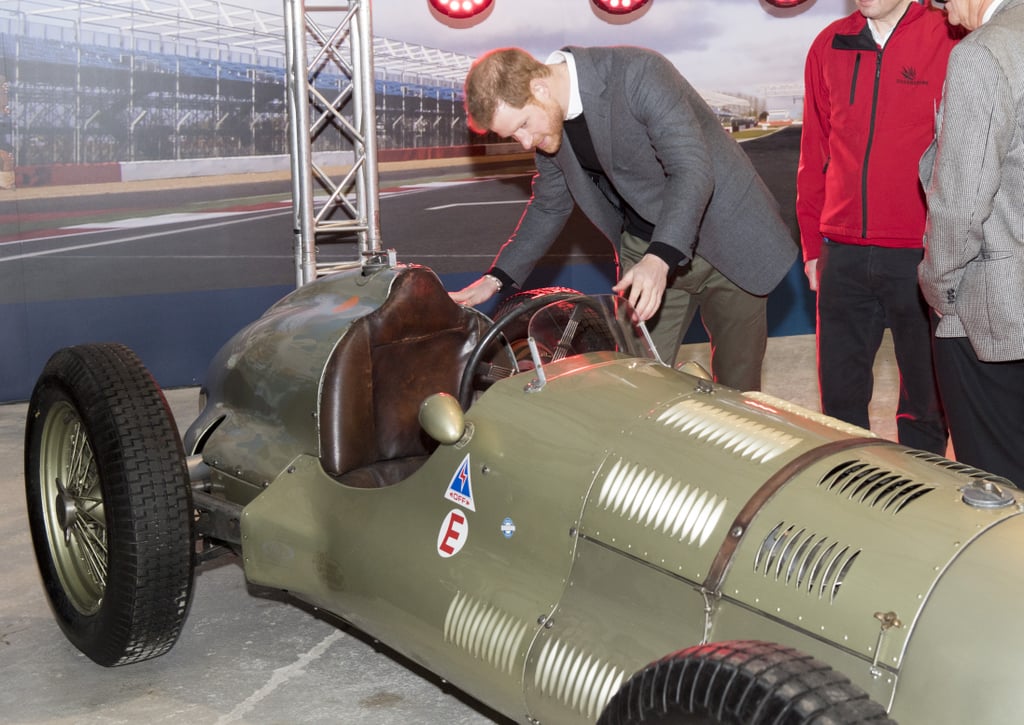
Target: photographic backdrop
[{"x": 144, "y": 178}]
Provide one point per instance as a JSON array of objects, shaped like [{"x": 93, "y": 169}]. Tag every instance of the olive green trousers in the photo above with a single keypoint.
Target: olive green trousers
[{"x": 735, "y": 320}]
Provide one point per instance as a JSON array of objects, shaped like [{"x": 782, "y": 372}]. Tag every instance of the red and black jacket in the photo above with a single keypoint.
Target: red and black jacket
[{"x": 869, "y": 114}]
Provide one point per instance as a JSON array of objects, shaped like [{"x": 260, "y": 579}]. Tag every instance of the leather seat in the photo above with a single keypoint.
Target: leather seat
[{"x": 415, "y": 344}]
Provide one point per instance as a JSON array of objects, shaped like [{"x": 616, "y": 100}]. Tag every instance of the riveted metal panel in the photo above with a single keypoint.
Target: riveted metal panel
[
  {"x": 669, "y": 490},
  {"x": 616, "y": 616},
  {"x": 855, "y": 536}
]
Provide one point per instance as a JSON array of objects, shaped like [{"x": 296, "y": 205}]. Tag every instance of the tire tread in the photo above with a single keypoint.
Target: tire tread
[
  {"x": 743, "y": 682},
  {"x": 147, "y": 499}
]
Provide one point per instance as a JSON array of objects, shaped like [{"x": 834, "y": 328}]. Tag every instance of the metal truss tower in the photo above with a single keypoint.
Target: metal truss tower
[
  {"x": 333, "y": 41},
  {"x": 236, "y": 54}
]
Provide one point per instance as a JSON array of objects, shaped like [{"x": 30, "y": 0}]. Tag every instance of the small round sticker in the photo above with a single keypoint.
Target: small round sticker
[{"x": 508, "y": 527}]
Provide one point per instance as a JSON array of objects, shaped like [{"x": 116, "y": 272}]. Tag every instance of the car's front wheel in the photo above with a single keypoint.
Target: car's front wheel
[
  {"x": 741, "y": 683},
  {"x": 109, "y": 504}
]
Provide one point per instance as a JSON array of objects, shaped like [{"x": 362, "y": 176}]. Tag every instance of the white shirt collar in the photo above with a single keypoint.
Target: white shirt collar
[
  {"x": 575, "y": 100},
  {"x": 990, "y": 10},
  {"x": 880, "y": 38}
]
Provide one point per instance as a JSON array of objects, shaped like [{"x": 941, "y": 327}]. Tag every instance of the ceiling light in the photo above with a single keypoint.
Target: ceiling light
[
  {"x": 620, "y": 7},
  {"x": 460, "y": 8}
]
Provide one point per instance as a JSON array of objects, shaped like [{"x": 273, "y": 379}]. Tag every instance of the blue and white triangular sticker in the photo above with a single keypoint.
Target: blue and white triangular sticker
[{"x": 460, "y": 489}]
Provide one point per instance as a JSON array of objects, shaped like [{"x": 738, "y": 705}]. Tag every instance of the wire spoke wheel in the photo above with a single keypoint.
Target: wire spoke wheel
[
  {"x": 73, "y": 508},
  {"x": 109, "y": 504}
]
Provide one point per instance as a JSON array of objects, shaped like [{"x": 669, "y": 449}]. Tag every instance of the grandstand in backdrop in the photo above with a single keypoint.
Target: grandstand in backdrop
[
  {"x": 98, "y": 81},
  {"x": 91, "y": 82}
]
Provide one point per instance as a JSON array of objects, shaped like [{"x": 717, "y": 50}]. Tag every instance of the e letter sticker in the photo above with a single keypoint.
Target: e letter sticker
[{"x": 453, "y": 534}]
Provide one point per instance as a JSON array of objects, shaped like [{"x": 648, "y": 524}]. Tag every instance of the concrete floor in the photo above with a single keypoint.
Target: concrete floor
[{"x": 244, "y": 656}]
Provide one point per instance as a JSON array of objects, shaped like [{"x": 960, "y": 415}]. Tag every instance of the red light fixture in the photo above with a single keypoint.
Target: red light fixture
[
  {"x": 460, "y": 8},
  {"x": 620, "y": 7}
]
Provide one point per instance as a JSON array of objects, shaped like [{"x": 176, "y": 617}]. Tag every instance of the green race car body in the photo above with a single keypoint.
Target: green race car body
[{"x": 566, "y": 526}]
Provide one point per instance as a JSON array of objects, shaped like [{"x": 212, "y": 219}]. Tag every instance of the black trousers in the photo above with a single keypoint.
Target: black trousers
[
  {"x": 863, "y": 290},
  {"x": 984, "y": 402}
]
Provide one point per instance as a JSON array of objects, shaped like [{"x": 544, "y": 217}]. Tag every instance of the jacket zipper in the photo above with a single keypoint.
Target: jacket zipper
[{"x": 867, "y": 148}]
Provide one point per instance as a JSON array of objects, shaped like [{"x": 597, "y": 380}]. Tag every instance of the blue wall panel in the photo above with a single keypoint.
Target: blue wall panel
[{"x": 176, "y": 335}]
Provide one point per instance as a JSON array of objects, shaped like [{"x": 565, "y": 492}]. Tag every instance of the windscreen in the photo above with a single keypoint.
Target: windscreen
[{"x": 589, "y": 323}]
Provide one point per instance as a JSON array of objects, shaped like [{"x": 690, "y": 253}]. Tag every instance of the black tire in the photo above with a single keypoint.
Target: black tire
[
  {"x": 109, "y": 504},
  {"x": 742, "y": 683}
]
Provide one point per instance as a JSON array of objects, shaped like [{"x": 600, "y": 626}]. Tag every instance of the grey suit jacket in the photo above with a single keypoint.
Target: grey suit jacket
[
  {"x": 670, "y": 159},
  {"x": 973, "y": 175}
]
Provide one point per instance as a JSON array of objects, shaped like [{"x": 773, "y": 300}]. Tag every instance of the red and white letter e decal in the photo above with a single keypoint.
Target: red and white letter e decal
[{"x": 453, "y": 534}]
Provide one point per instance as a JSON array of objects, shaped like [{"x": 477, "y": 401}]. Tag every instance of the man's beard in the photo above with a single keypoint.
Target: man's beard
[{"x": 555, "y": 124}]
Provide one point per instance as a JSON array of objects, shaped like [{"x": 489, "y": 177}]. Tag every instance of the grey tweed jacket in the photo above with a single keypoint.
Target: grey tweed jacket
[
  {"x": 667, "y": 155},
  {"x": 973, "y": 175}
]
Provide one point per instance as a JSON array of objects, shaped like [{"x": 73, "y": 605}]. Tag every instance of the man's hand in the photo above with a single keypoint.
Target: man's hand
[
  {"x": 477, "y": 293},
  {"x": 646, "y": 281},
  {"x": 811, "y": 270}
]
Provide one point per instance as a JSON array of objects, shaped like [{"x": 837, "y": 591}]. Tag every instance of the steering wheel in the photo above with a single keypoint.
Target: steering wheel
[{"x": 473, "y": 364}]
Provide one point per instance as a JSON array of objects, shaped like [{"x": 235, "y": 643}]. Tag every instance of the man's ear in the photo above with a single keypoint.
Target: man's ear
[{"x": 539, "y": 88}]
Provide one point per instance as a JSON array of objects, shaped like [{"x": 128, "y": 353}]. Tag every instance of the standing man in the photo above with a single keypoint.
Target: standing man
[
  {"x": 622, "y": 134},
  {"x": 973, "y": 268},
  {"x": 872, "y": 82}
]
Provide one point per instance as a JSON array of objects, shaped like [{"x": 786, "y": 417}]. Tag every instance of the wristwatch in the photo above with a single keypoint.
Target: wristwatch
[{"x": 497, "y": 282}]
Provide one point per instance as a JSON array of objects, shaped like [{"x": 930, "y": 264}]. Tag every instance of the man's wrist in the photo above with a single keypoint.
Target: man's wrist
[
  {"x": 668, "y": 254},
  {"x": 498, "y": 284}
]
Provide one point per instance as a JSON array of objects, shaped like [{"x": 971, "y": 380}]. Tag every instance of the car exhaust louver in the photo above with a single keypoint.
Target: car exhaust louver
[
  {"x": 760, "y": 400},
  {"x": 581, "y": 681},
  {"x": 873, "y": 486},
  {"x": 655, "y": 499},
  {"x": 804, "y": 560},
  {"x": 484, "y": 631},
  {"x": 953, "y": 466},
  {"x": 735, "y": 433}
]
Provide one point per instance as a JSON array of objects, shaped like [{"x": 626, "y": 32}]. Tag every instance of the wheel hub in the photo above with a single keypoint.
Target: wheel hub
[{"x": 66, "y": 510}]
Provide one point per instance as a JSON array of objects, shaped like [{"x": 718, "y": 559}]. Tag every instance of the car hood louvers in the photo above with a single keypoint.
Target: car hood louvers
[
  {"x": 805, "y": 560},
  {"x": 485, "y": 631},
  {"x": 874, "y": 486},
  {"x": 735, "y": 433},
  {"x": 651, "y": 499}
]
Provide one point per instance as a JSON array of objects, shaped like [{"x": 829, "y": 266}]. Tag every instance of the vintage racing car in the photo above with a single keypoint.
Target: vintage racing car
[{"x": 536, "y": 509}]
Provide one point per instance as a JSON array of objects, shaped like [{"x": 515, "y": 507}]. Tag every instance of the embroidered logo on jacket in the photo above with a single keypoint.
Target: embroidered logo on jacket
[{"x": 908, "y": 76}]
